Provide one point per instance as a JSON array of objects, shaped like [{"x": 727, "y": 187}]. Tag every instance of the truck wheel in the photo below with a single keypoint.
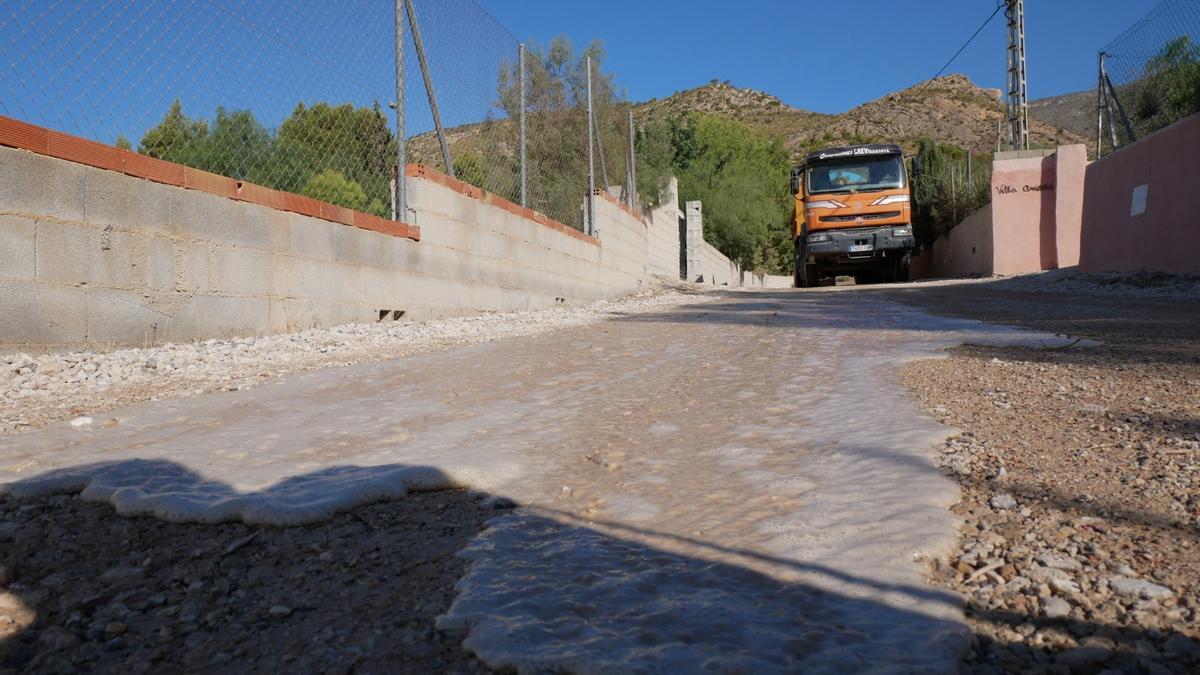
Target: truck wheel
[
  {"x": 901, "y": 267},
  {"x": 798, "y": 273},
  {"x": 806, "y": 274},
  {"x": 812, "y": 278}
]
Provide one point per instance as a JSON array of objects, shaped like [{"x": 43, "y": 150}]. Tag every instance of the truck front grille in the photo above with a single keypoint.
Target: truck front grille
[{"x": 864, "y": 216}]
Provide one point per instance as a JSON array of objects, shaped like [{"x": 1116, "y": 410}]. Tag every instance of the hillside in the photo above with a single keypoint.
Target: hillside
[
  {"x": 951, "y": 109},
  {"x": 756, "y": 109},
  {"x": 1073, "y": 112}
]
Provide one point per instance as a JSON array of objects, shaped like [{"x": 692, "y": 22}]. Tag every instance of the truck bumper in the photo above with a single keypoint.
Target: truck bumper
[{"x": 860, "y": 245}]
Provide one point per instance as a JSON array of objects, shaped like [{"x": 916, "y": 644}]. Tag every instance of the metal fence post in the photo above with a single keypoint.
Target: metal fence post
[
  {"x": 399, "y": 201},
  {"x": 429, "y": 91},
  {"x": 1116, "y": 99},
  {"x": 631, "y": 173},
  {"x": 600, "y": 154},
  {"x": 1100, "y": 105},
  {"x": 591, "y": 198},
  {"x": 521, "y": 75}
]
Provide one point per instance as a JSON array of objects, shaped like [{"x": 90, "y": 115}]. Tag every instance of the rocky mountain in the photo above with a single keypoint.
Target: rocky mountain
[{"x": 950, "y": 109}]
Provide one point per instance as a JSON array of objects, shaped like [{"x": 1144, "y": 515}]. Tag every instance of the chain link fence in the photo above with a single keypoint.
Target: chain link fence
[
  {"x": 301, "y": 96},
  {"x": 1150, "y": 74}
]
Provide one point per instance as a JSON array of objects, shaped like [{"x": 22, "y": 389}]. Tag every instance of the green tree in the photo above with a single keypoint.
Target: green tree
[
  {"x": 739, "y": 174},
  {"x": 331, "y": 186},
  {"x": 662, "y": 145},
  {"x": 557, "y": 128},
  {"x": 239, "y": 147},
  {"x": 355, "y": 142},
  {"x": 123, "y": 143},
  {"x": 175, "y": 138},
  {"x": 469, "y": 169},
  {"x": 1170, "y": 88},
  {"x": 942, "y": 195}
]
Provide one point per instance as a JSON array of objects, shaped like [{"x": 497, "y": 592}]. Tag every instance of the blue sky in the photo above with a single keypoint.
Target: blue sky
[
  {"x": 824, "y": 56},
  {"x": 106, "y": 69}
]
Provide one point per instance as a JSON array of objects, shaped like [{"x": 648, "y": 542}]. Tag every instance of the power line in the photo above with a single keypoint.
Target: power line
[{"x": 961, "y": 49}]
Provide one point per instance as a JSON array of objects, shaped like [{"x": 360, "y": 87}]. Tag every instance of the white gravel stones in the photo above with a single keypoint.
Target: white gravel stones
[
  {"x": 1004, "y": 502},
  {"x": 1057, "y": 608},
  {"x": 1137, "y": 588},
  {"x": 35, "y": 390}
]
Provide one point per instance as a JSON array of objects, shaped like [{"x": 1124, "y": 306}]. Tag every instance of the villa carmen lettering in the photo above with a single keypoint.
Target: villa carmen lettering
[{"x": 1012, "y": 189}]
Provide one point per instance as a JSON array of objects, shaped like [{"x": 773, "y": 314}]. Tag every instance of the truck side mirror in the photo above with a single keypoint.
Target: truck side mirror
[{"x": 797, "y": 173}]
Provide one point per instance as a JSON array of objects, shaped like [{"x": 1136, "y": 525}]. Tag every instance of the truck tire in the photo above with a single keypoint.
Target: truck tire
[
  {"x": 798, "y": 273},
  {"x": 901, "y": 267},
  {"x": 806, "y": 274},
  {"x": 812, "y": 278}
]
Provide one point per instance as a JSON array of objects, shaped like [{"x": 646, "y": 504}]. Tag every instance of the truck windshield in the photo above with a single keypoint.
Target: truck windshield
[{"x": 856, "y": 173}]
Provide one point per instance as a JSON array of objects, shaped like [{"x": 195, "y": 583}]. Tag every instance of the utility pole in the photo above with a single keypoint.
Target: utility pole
[{"x": 1018, "y": 98}]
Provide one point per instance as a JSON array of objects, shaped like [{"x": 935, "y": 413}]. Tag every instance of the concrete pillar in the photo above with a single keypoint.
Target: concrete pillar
[{"x": 694, "y": 214}]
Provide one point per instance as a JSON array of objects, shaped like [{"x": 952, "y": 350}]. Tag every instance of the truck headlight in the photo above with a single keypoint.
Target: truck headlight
[
  {"x": 817, "y": 238},
  {"x": 901, "y": 231}
]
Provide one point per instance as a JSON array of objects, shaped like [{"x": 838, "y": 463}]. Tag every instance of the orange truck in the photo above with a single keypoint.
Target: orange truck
[{"x": 853, "y": 215}]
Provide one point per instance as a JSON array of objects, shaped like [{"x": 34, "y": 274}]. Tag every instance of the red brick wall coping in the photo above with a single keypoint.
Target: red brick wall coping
[
  {"x": 18, "y": 134},
  {"x": 424, "y": 172}
]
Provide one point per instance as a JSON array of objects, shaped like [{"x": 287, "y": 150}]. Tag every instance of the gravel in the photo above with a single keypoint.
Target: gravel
[
  {"x": 1080, "y": 477},
  {"x": 1111, "y": 284},
  {"x": 36, "y": 390}
]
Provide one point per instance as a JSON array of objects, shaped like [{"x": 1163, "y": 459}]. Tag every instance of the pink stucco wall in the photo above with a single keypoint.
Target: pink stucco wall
[
  {"x": 966, "y": 251},
  {"x": 1163, "y": 238},
  {"x": 1032, "y": 224},
  {"x": 1071, "y": 171},
  {"x": 1023, "y": 214}
]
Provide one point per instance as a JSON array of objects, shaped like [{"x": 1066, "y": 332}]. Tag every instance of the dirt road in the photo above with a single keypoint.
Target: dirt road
[{"x": 739, "y": 485}]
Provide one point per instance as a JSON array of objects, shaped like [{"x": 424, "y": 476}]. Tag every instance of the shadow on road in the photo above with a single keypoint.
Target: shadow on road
[{"x": 99, "y": 592}]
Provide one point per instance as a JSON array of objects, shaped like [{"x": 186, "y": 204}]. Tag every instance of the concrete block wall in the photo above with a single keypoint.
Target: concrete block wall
[
  {"x": 103, "y": 245},
  {"x": 95, "y": 256},
  {"x": 89, "y": 255},
  {"x": 755, "y": 280},
  {"x": 705, "y": 264},
  {"x": 663, "y": 234}
]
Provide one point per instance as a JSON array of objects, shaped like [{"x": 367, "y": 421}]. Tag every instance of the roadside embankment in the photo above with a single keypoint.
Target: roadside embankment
[
  {"x": 38, "y": 389},
  {"x": 1080, "y": 472}
]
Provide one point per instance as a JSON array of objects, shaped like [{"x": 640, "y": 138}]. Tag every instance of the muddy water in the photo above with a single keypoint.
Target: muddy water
[{"x": 735, "y": 486}]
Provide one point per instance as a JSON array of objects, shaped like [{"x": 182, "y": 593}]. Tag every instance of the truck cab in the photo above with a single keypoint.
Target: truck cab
[{"x": 853, "y": 215}]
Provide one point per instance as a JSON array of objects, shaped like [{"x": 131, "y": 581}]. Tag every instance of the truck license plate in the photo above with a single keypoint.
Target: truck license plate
[{"x": 860, "y": 248}]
